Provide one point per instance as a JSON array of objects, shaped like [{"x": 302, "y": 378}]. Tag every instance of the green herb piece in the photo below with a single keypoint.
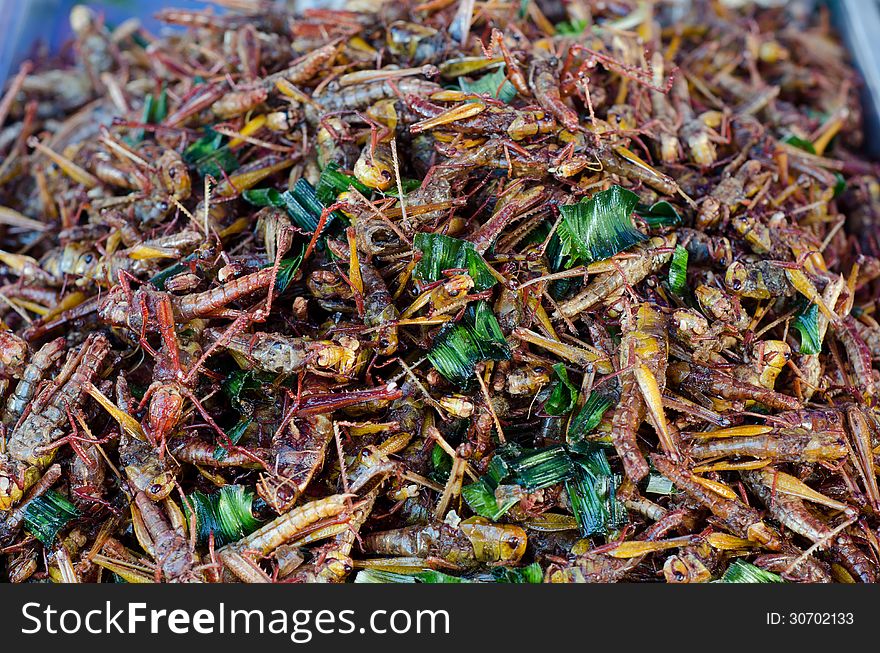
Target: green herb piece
[
  {"x": 499, "y": 467},
  {"x": 287, "y": 269},
  {"x": 263, "y": 197},
  {"x": 441, "y": 464},
  {"x": 741, "y": 571},
  {"x": 529, "y": 574},
  {"x": 800, "y": 143},
  {"x": 586, "y": 504},
  {"x": 204, "y": 147},
  {"x": 304, "y": 207},
  {"x": 223, "y": 160},
  {"x": 433, "y": 577},
  {"x": 159, "y": 109},
  {"x": 301, "y": 216},
  {"x": 531, "y": 470},
  {"x": 234, "y": 434},
  {"x": 209, "y": 157},
  {"x": 332, "y": 183},
  {"x": 409, "y": 185},
  {"x": 305, "y": 194},
  {"x": 659, "y": 214},
  {"x": 158, "y": 280},
  {"x": 238, "y": 383},
  {"x": 592, "y": 494},
  {"x": 543, "y": 468},
  {"x": 589, "y": 416},
  {"x": 480, "y": 498},
  {"x": 564, "y": 394},
  {"x": 459, "y": 347},
  {"x": 840, "y": 184},
  {"x": 227, "y": 513},
  {"x": 575, "y": 27},
  {"x": 441, "y": 253},
  {"x": 146, "y": 114},
  {"x": 678, "y": 270},
  {"x": 47, "y": 514},
  {"x": 494, "y": 84},
  {"x": 373, "y": 576},
  {"x": 807, "y": 324},
  {"x": 487, "y": 331},
  {"x": 599, "y": 227}
]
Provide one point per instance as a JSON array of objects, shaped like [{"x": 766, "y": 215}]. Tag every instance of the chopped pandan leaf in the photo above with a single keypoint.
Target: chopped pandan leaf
[
  {"x": 139, "y": 40},
  {"x": 227, "y": 513},
  {"x": 433, "y": 577},
  {"x": 678, "y": 270},
  {"x": 159, "y": 110},
  {"x": 409, "y": 185},
  {"x": 158, "y": 280},
  {"x": 208, "y": 157},
  {"x": 333, "y": 182},
  {"x": 589, "y": 416},
  {"x": 223, "y": 160},
  {"x": 455, "y": 354},
  {"x": 510, "y": 450},
  {"x": 298, "y": 213},
  {"x": 146, "y": 114},
  {"x": 441, "y": 464},
  {"x": 564, "y": 394},
  {"x": 840, "y": 184},
  {"x": 543, "y": 468},
  {"x": 538, "y": 234},
  {"x": 556, "y": 262},
  {"x": 304, "y": 207},
  {"x": 381, "y": 576},
  {"x": 238, "y": 383},
  {"x": 494, "y": 84},
  {"x": 618, "y": 516},
  {"x": 807, "y": 323},
  {"x": 234, "y": 434},
  {"x": 659, "y": 214},
  {"x": 305, "y": 194},
  {"x": 488, "y": 332},
  {"x": 287, "y": 269},
  {"x": 481, "y": 499},
  {"x": 530, "y": 574},
  {"x": 47, "y": 514},
  {"x": 598, "y": 228},
  {"x": 741, "y": 571},
  {"x": 204, "y": 147},
  {"x": 263, "y": 197},
  {"x": 459, "y": 347},
  {"x": 499, "y": 467},
  {"x": 511, "y": 465},
  {"x": 523, "y": 8},
  {"x": 659, "y": 484},
  {"x": 800, "y": 143},
  {"x": 440, "y": 253},
  {"x": 587, "y": 505},
  {"x": 592, "y": 494},
  {"x": 575, "y": 27}
]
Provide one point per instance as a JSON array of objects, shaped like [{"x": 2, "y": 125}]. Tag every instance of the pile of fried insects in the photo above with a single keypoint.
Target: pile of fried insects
[{"x": 440, "y": 293}]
